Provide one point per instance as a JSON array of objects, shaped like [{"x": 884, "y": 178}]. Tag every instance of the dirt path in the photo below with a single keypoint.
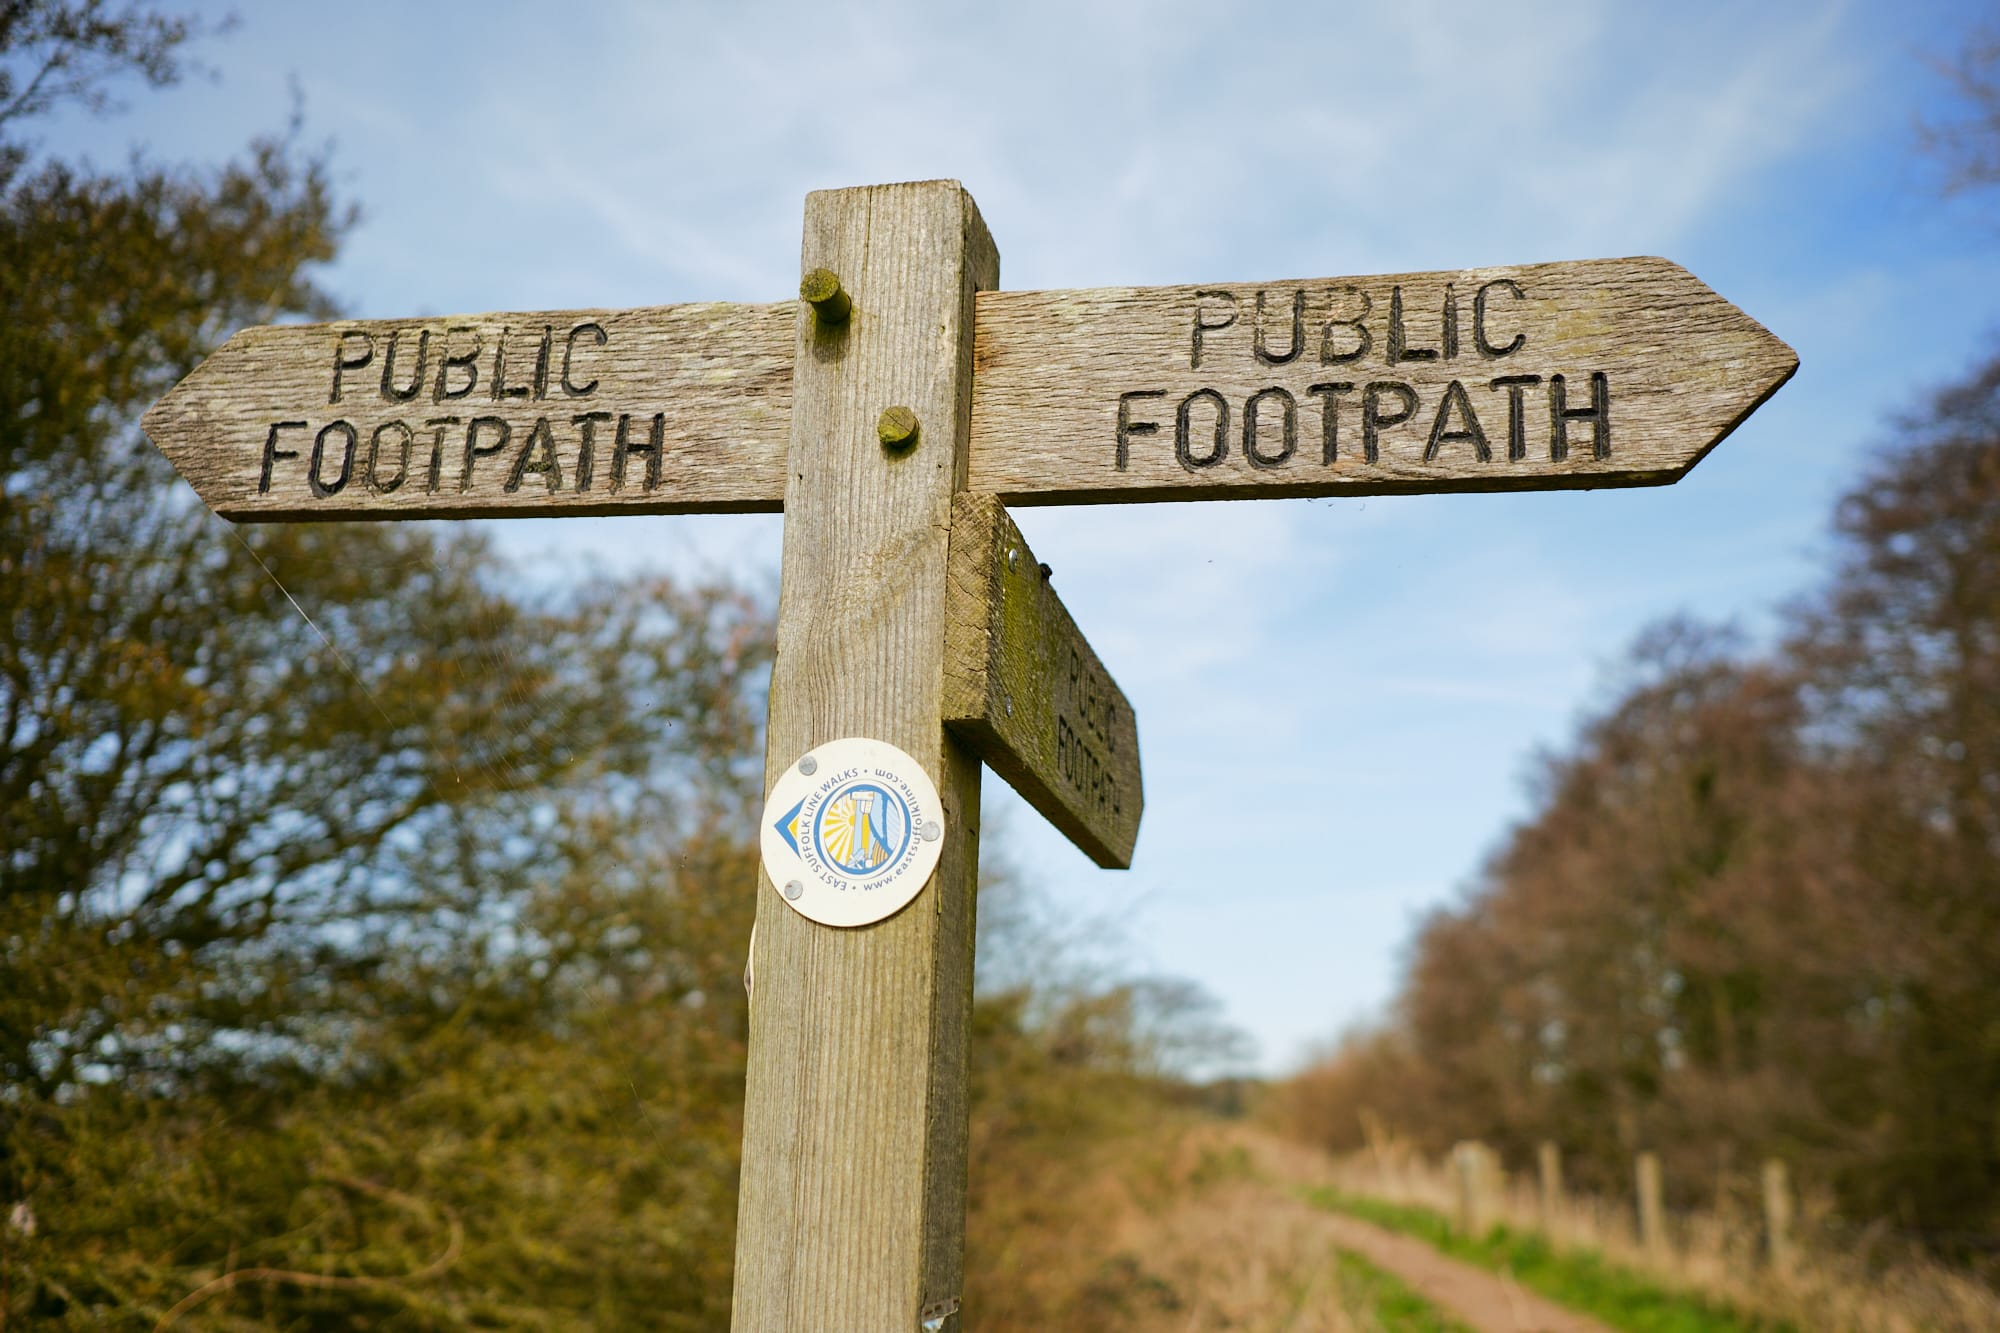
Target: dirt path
[{"x": 1482, "y": 1301}]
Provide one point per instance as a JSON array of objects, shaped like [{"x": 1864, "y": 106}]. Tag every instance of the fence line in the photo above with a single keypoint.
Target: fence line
[
  {"x": 1754, "y": 1259},
  {"x": 1478, "y": 1193}
]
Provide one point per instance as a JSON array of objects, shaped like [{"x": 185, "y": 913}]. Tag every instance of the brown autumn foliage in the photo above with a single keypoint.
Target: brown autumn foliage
[
  {"x": 373, "y": 916},
  {"x": 1756, "y": 911}
]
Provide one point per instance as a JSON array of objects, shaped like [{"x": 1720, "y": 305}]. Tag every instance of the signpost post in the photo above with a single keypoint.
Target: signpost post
[{"x": 889, "y": 413}]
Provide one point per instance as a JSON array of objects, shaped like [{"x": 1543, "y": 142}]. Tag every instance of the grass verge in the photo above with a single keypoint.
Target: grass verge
[
  {"x": 1395, "y": 1307},
  {"x": 1579, "y": 1279}
]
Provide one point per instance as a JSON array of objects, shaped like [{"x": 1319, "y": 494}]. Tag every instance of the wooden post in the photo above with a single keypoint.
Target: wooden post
[
  {"x": 1777, "y": 1217},
  {"x": 1378, "y": 1148},
  {"x": 1548, "y": 1158},
  {"x": 1652, "y": 1217},
  {"x": 852, "y": 1211},
  {"x": 1475, "y": 1213}
]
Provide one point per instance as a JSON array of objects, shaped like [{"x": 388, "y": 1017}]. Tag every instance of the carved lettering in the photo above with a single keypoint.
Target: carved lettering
[
  {"x": 570, "y": 386},
  {"x": 1184, "y": 431},
  {"x": 1373, "y": 418},
  {"x": 376, "y": 483},
  {"x": 542, "y": 363},
  {"x": 1399, "y": 339},
  {"x": 1329, "y": 417},
  {"x": 1127, "y": 427},
  {"x": 1090, "y": 698},
  {"x": 1517, "y": 416},
  {"x": 473, "y": 449},
  {"x": 1480, "y": 337},
  {"x": 623, "y": 447},
  {"x": 390, "y": 392},
  {"x": 321, "y": 488},
  {"x": 1202, "y": 325},
  {"x": 343, "y": 361},
  {"x": 272, "y": 452},
  {"x": 1260, "y": 347},
  {"x": 438, "y": 426},
  {"x": 1468, "y": 430},
  {"x": 467, "y": 361},
  {"x": 1084, "y": 771},
  {"x": 1357, "y": 325},
  {"x": 537, "y": 458},
  {"x": 1289, "y": 419},
  {"x": 501, "y": 390},
  {"x": 1086, "y": 731},
  {"x": 1598, "y": 414},
  {"x": 586, "y": 449}
]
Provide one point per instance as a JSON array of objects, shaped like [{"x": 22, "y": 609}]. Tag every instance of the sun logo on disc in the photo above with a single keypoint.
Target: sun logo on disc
[
  {"x": 852, "y": 830},
  {"x": 862, "y": 827}
]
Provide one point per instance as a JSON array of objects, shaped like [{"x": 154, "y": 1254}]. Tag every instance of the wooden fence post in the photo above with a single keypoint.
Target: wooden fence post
[
  {"x": 1475, "y": 1210},
  {"x": 1378, "y": 1148},
  {"x": 1652, "y": 1218},
  {"x": 1548, "y": 1159},
  {"x": 1777, "y": 1217},
  {"x": 852, "y": 1211}
]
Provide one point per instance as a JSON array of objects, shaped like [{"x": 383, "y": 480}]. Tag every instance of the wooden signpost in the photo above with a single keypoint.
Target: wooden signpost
[{"x": 889, "y": 413}]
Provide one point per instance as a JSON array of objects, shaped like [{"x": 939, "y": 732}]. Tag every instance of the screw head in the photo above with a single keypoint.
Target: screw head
[
  {"x": 931, "y": 831},
  {"x": 793, "y": 889},
  {"x": 808, "y": 765},
  {"x": 1013, "y": 557},
  {"x": 897, "y": 428}
]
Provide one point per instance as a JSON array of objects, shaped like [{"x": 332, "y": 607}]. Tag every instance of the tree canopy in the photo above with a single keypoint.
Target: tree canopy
[
  {"x": 1756, "y": 908},
  {"x": 372, "y": 916},
  {"x": 321, "y": 833}
]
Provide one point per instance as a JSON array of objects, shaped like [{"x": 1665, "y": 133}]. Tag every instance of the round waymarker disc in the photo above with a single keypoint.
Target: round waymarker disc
[{"x": 851, "y": 832}]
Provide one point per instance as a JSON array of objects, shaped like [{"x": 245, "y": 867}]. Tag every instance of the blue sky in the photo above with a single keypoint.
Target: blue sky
[{"x": 1337, "y": 699}]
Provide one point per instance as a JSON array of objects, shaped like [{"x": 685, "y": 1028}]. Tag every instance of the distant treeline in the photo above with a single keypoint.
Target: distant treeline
[{"x": 1756, "y": 909}]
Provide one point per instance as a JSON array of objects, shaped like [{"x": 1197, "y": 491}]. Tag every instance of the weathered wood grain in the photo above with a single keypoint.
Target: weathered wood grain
[
  {"x": 1027, "y": 694},
  {"x": 1613, "y": 372},
  {"x": 1680, "y": 369},
  {"x": 668, "y": 409},
  {"x": 852, "y": 1210}
]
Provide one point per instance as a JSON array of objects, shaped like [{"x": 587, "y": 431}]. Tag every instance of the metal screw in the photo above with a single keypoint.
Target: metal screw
[
  {"x": 821, "y": 290},
  {"x": 897, "y": 428},
  {"x": 1010, "y": 706},
  {"x": 793, "y": 889},
  {"x": 808, "y": 765},
  {"x": 1013, "y": 557},
  {"x": 931, "y": 831}
]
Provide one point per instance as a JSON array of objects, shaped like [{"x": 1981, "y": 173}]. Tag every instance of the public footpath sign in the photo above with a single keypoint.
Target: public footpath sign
[
  {"x": 1614, "y": 372},
  {"x": 891, "y": 413},
  {"x": 545, "y": 413}
]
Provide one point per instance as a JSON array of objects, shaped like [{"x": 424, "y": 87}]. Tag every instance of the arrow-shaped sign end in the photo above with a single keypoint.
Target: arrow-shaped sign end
[
  {"x": 1728, "y": 352},
  {"x": 180, "y": 425},
  {"x": 171, "y": 424},
  {"x": 162, "y": 420}
]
